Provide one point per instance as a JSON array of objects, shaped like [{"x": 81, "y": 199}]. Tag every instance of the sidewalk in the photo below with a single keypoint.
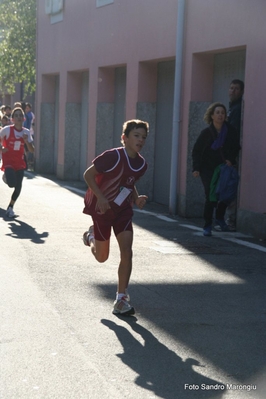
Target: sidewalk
[{"x": 163, "y": 210}]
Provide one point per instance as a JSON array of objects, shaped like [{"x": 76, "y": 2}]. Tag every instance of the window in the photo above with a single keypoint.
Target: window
[
  {"x": 54, "y": 8},
  {"x": 100, "y": 3}
]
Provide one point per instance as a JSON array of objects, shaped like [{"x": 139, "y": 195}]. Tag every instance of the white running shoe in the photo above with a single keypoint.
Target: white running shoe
[
  {"x": 88, "y": 236},
  {"x": 121, "y": 306}
]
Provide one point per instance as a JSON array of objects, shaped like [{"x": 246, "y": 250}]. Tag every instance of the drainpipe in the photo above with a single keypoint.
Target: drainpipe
[{"x": 177, "y": 106}]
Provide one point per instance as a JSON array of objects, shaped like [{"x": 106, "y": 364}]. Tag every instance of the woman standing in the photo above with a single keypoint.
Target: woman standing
[
  {"x": 13, "y": 138},
  {"x": 216, "y": 144}
]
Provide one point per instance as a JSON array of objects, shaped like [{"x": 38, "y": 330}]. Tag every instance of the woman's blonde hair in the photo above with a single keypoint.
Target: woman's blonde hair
[{"x": 210, "y": 111}]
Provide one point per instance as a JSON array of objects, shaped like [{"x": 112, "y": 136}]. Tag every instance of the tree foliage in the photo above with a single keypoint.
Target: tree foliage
[{"x": 17, "y": 45}]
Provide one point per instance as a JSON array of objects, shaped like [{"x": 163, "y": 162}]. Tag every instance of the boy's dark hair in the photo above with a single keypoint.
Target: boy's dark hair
[
  {"x": 7, "y": 107},
  {"x": 134, "y": 124},
  {"x": 28, "y": 105},
  {"x": 238, "y": 82}
]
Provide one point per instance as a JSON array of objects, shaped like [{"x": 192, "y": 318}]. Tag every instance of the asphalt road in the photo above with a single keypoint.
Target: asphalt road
[{"x": 199, "y": 329}]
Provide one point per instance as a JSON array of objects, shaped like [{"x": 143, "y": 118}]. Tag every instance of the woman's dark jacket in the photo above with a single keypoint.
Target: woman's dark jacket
[{"x": 204, "y": 157}]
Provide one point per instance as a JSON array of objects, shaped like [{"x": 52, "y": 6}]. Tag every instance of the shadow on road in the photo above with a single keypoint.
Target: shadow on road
[
  {"x": 221, "y": 322},
  {"x": 159, "y": 369},
  {"x": 22, "y": 230}
]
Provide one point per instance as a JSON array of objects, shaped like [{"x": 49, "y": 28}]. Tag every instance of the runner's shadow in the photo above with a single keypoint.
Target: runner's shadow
[
  {"x": 161, "y": 370},
  {"x": 24, "y": 231}
]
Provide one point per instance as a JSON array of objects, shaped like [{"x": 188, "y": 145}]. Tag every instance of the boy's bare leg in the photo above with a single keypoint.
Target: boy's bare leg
[
  {"x": 125, "y": 240},
  {"x": 100, "y": 249}
]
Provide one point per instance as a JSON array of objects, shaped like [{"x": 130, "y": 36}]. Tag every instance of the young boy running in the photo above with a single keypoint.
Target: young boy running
[{"x": 109, "y": 200}]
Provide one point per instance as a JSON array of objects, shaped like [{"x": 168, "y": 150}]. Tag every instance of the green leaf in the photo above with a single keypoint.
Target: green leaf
[{"x": 17, "y": 45}]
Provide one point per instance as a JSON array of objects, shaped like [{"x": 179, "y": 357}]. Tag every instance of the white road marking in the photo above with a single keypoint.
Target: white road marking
[
  {"x": 157, "y": 215},
  {"x": 232, "y": 237}
]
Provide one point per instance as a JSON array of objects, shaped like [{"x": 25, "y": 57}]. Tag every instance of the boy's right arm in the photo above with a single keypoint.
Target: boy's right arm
[{"x": 89, "y": 177}]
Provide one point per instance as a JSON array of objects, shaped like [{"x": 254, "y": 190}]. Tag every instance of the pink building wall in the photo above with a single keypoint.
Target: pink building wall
[
  {"x": 140, "y": 33},
  {"x": 123, "y": 33}
]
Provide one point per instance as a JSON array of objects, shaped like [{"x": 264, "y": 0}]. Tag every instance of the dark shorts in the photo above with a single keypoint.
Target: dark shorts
[
  {"x": 14, "y": 177},
  {"x": 103, "y": 224}
]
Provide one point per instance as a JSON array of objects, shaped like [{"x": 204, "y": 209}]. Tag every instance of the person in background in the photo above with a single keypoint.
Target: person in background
[
  {"x": 28, "y": 111},
  {"x": 217, "y": 144},
  {"x": 2, "y": 111},
  {"x": 236, "y": 91},
  {"x": 109, "y": 200},
  {"x": 5, "y": 121},
  {"x": 28, "y": 123},
  {"x": 13, "y": 138},
  {"x": 18, "y": 104},
  {"x": 7, "y": 111},
  {"x": 234, "y": 117},
  {"x": 28, "y": 115}
]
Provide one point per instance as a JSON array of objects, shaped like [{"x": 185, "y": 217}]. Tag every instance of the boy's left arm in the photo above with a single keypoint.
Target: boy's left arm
[
  {"x": 29, "y": 145},
  {"x": 139, "y": 200}
]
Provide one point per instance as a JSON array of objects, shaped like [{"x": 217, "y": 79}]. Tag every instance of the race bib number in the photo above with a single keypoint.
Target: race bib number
[
  {"x": 17, "y": 145},
  {"x": 124, "y": 193}
]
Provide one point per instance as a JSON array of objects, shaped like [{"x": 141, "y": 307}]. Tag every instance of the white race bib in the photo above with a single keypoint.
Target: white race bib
[
  {"x": 17, "y": 145},
  {"x": 124, "y": 193}
]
